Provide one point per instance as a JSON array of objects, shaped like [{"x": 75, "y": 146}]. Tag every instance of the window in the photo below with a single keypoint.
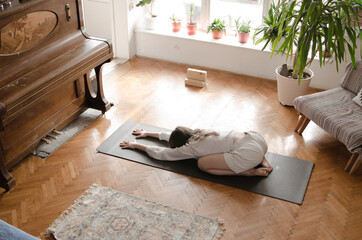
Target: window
[
  {"x": 207, "y": 10},
  {"x": 230, "y": 10},
  {"x": 180, "y": 8}
]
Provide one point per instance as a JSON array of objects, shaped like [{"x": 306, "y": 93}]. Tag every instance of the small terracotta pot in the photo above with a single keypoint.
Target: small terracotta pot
[
  {"x": 191, "y": 29},
  {"x": 218, "y": 35},
  {"x": 243, "y": 37},
  {"x": 176, "y": 26}
]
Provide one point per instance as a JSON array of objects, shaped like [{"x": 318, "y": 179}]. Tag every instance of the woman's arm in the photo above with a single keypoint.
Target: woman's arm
[
  {"x": 161, "y": 153},
  {"x": 170, "y": 154},
  {"x": 140, "y": 133}
]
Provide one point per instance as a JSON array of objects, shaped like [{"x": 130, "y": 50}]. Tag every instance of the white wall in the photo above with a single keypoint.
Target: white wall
[
  {"x": 126, "y": 16},
  {"x": 115, "y": 20},
  {"x": 94, "y": 24},
  {"x": 120, "y": 29},
  {"x": 135, "y": 16}
]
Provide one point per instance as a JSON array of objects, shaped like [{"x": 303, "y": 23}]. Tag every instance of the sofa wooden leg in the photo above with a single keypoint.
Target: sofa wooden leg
[
  {"x": 350, "y": 162},
  {"x": 302, "y": 124},
  {"x": 355, "y": 166}
]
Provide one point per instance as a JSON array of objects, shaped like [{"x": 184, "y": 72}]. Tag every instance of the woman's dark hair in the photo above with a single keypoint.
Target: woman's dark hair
[
  {"x": 179, "y": 136},
  {"x": 182, "y": 135}
]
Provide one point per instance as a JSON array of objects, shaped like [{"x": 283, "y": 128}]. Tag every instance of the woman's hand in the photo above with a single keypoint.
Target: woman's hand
[
  {"x": 127, "y": 144},
  {"x": 133, "y": 145},
  {"x": 140, "y": 133}
]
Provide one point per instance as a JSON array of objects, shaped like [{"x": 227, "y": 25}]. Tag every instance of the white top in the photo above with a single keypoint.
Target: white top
[{"x": 194, "y": 149}]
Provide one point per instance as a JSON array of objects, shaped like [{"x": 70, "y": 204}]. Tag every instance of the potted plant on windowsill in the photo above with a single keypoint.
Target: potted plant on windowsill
[
  {"x": 191, "y": 26},
  {"x": 309, "y": 28},
  {"x": 243, "y": 30},
  {"x": 217, "y": 27},
  {"x": 150, "y": 18},
  {"x": 270, "y": 29},
  {"x": 176, "y": 23}
]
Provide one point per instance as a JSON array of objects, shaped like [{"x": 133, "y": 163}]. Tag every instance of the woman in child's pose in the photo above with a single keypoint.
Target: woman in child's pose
[{"x": 218, "y": 153}]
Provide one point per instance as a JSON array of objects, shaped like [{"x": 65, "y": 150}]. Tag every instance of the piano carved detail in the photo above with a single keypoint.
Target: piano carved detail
[{"x": 26, "y": 31}]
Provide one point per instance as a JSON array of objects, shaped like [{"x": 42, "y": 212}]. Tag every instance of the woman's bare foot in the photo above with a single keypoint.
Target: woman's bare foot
[
  {"x": 266, "y": 164},
  {"x": 256, "y": 172}
]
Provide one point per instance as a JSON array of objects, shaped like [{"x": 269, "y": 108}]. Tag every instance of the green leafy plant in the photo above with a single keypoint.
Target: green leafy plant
[
  {"x": 174, "y": 19},
  {"x": 217, "y": 24},
  {"x": 144, "y": 3},
  {"x": 192, "y": 12},
  {"x": 311, "y": 27},
  {"x": 242, "y": 27},
  {"x": 270, "y": 29}
]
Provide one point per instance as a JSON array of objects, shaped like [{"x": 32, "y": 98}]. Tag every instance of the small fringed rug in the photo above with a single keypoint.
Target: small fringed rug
[
  {"x": 104, "y": 213},
  {"x": 44, "y": 149}
]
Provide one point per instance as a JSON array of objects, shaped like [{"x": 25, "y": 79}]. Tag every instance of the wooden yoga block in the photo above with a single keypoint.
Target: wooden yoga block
[
  {"x": 196, "y": 74},
  {"x": 195, "y": 83}
]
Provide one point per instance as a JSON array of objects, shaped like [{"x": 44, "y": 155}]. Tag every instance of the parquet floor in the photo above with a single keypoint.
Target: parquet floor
[{"x": 153, "y": 92}]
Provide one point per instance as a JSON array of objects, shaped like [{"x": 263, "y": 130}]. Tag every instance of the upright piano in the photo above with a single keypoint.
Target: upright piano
[{"x": 45, "y": 83}]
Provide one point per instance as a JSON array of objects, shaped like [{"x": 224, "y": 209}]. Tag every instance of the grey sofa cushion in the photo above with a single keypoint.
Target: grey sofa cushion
[
  {"x": 9, "y": 232},
  {"x": 358, "y": 99},
  {"x": 336, "y": 113},
  {"x": 352, "y": 80}
]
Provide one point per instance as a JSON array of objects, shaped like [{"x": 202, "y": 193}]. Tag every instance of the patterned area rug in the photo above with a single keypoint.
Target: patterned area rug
[{"x": 104, "y": 213}]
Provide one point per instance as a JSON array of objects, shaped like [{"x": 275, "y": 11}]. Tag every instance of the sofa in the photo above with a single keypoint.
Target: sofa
[
  {"x": 339, "y": 112},
  {"x": 9, "y": 232}
]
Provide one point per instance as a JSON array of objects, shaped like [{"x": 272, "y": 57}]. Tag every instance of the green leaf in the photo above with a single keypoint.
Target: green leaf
[
  {"x": 352, "y": 51},
  {"x": 330, "y": 31},
  {"x": 320, "y": 49},
  {"x": 314, "y": 46},
  {"x": 143, "y": 2},
  {"x": 311, "y": 11}
]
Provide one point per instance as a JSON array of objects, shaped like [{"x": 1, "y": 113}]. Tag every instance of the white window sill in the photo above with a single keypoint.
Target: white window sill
[{"x": 201, "y": 36}]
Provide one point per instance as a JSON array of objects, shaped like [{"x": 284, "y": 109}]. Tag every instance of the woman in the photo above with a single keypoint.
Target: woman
[{"x": 218, "y": 153}]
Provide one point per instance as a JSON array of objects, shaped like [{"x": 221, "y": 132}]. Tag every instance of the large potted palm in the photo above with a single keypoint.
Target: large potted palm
[{"x": 304, "y": 30}]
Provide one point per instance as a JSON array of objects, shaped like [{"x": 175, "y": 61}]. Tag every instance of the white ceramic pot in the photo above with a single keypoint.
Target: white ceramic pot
[
  {"x": 150, "y": 22},
  {"x": 289, "y": 89}
]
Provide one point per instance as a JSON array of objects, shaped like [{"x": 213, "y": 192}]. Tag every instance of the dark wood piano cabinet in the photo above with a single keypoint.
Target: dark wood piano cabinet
[{"x": 45, "y": 65}]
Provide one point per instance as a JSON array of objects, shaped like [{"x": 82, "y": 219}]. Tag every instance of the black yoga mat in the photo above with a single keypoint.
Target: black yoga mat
[{"x": 288, "y": 180}]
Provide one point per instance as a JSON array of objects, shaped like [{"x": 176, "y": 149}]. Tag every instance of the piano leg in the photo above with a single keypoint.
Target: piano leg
[
  {"x": 96, "y": 101},
  {"x": 6, "y": 180}
]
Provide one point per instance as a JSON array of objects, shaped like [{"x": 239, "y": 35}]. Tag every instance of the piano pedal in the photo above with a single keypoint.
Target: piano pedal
[
  {"x": 52, "y": 136},
  {"x": 46, "y": 140},
  {"x": 57, "y": 132}
]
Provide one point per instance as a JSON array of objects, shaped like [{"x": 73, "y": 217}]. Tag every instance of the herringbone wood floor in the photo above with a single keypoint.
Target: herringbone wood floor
[{"x": 153, "y": 92}]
